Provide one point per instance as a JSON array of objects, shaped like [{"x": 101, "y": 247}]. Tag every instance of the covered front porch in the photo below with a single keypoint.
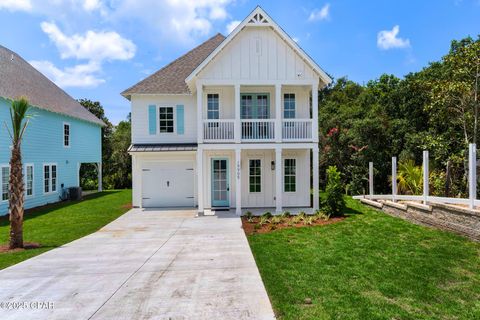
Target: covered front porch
[{"x": 273, "y": 177}]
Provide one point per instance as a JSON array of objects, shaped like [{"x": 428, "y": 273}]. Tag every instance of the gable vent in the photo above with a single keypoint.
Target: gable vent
[{"x": 258, "y": 19}]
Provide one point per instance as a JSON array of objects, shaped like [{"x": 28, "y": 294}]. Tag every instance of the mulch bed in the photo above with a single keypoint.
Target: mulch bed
[
  {"x": 26, "y": 246},
  {"x": 254, "y": 227}
]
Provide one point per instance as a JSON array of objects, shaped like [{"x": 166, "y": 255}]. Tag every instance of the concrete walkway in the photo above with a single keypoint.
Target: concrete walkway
[{"x": 148, "y": 264}]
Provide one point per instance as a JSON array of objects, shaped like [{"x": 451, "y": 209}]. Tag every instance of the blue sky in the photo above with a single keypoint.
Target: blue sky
[{"x": 97, "y": 48}]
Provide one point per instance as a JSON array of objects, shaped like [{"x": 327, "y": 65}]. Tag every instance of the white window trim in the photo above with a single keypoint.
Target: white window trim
[
  {"x": 69, "y": 134},
  {"x": 25, "y": 179},
  {"x": 296, "y": 175},
  {"x": 261, "y": 175},
  {"x": 174, "y": 120},
  {"x": 50, "y": 164},
  {"x": 206, "y": 92},
  {"x": 3, "y": 165}
]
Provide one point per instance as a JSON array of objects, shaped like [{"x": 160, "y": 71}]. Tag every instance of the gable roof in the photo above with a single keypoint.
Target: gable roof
[
  {"x": 171, "y": 78},
  {"x": 18, "y": 78},
  {"x": 259, "y": 17}
]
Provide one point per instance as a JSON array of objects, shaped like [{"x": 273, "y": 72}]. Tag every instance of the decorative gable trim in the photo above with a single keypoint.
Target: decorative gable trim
[{"x": 259, "y": 17}]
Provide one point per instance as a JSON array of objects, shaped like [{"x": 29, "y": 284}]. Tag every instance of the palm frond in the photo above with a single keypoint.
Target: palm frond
[{"x": 19, "y": 119}]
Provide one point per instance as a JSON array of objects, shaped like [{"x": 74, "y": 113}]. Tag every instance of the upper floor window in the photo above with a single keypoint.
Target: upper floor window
[
  {"x": 289, "y": 177},
  {"x": 29, "y": 179},
  {"x": 255, "y": 106},
  {"x": 49, "y": 178},
  {"x": 255, "y": 175},
  {"x": 167, "y": 124},
  {"x": 289, "y": 105},
  {"x": 66, "y": 135},
  {"x": 5, "y": 176},
  {"x": 213, "y": 106}
]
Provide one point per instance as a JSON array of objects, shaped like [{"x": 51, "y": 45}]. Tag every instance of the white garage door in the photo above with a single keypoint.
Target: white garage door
[{"x": 167, "y": 184}]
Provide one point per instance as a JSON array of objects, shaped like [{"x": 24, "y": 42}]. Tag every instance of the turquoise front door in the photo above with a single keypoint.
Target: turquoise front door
[{"x": 220, "y": 183}]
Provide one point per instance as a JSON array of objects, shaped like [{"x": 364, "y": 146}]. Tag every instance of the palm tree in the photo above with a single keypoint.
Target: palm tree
[
  {"x": 410, "y": 178},
  {"x": 19, "y": 118}
]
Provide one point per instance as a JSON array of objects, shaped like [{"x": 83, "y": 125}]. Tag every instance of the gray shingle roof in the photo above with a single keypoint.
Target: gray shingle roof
[
  {"x": 171, "y": 78},
  {"x": 18, "y": 78},
  {"x": 162, "y": 147}
]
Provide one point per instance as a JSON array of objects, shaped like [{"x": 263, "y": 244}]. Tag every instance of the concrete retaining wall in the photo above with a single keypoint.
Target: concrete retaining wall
[{"x": 460, "y": 220}]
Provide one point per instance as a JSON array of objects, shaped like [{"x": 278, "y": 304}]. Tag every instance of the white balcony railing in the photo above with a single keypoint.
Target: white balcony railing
[
  {"x": 218, "y": 130},
  {"x": 258, "y": 129},
  {"x": 296, "y": 129}
]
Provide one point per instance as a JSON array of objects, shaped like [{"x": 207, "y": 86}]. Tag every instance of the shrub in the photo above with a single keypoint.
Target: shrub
[
  {"x": 322, "y": 215},
  {"x": 309, "y": 220},
  {"x": 267, "y": 215},
  {"x": 334, "y": 202},
  {"x": 249, "y": 216},
  {"x": 276, "y": 220},
  {"x": 297, "y": 219},
  {"x": 302, "y": 215},
  {"x": 286, "y": 214},
  {"x": 263, "y": 220}
]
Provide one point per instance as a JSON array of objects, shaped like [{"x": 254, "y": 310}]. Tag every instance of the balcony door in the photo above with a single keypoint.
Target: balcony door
[{"x": 253, "y": 108}]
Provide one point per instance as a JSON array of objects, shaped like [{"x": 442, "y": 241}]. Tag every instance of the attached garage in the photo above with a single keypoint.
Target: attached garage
[{"x": 168, "y": 184}]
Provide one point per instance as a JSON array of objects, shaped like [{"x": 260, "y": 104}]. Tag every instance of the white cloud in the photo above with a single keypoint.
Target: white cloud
[
  {"x": 176, "y": 20},
  {"x": 95, "y": 46},
  {"x": 90, "y": 5},
  {"x": 82, "y": 75},
  {"x": 320, "y": 14},
  {"x": 387, "y": 39},
  {"x": 16, "y": 5},
  {"x": 232, "y": 25}
]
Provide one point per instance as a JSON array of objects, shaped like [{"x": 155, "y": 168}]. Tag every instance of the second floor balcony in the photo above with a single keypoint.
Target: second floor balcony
[{"x": 257, "y": 130}]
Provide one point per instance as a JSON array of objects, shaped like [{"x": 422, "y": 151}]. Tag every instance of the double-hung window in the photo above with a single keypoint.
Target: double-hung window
[
  {"x": 255, "y": 175},
  {"x": 49, "y": 178},
  {"x": 5, "y": 176},
  {"x": 167, "y": 124},
  {"x": 66, "y": 135},
  {"x": 213, "y": 106},
  {"x": 289, "y": 106},
  {"x": 28, "y": 180},
  {"x": 289, "y": 176}
]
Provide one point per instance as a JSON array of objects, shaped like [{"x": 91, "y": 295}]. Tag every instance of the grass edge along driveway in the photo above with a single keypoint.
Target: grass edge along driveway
[
  {"x": 369, "y": 266},
  {"x": 61, "y": 223}
]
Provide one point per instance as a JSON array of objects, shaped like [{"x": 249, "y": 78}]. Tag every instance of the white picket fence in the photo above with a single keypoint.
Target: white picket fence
[{"x": 471, "y": 201}]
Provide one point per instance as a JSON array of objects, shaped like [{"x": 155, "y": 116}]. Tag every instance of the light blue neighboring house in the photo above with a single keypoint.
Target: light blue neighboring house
[{"x": 61, "y": 134}]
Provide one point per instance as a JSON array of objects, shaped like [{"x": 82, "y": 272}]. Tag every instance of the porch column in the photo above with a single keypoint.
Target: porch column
[
  {"x": 200, "y": 179},
  {"x": 99, "y": 175},
  {"x": 238, "y": 181},
  {"x": 238, "y": 122},
  {"x": 199, "y": 113},
  {"x": 316, "y": 200},
  {"x": 315, "y": 112},
  {"x": 278, "y": 179},
  {"x": 278, "y": 113}
]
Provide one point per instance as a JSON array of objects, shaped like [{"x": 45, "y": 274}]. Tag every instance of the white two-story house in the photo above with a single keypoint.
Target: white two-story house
[{"x": 233, "y": 124}]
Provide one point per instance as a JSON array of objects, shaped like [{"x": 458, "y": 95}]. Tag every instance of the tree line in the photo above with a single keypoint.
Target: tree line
[{"x": 435, "y": 109}]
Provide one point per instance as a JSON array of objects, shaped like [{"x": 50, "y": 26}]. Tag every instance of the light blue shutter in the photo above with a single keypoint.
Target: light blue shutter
[
  {"x": 180, "y": 119},
  {"x": 152, "y": 119}
]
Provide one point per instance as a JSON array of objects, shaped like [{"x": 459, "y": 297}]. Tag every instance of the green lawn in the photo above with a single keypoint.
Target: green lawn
[
  {"x": 61, "y": 223},
  {"x": 369, "y": 266}
]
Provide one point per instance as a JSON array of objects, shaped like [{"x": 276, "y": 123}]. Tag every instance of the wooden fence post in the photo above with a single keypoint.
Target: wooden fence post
[
  {"x": 370, "y": 178},
  {"x": 425, "y": 176},
  {"x": 394, "y": 179},
  {"x": 472, "y": 174}
]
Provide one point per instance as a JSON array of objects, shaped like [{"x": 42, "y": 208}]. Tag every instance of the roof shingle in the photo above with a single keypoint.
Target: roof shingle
[
  {"x": 18, "y": 78},
  {"x": 171, "y": 78}
]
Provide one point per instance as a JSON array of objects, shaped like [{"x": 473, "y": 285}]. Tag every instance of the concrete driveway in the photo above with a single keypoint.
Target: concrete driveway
[{"x": 148, "y": 264}]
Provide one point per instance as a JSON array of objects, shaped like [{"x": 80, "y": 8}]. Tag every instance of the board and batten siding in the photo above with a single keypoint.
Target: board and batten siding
[
  {"x": 258, "y": 54},
  {"x": 142, "y": 122},
  {"x": 43, "y": 144}
]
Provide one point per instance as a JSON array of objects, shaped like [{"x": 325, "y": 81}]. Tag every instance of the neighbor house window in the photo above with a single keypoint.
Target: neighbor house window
[
  {"x": 5, "y": 176},
  {"x": 255, "y": 179},
  {"x": 166, "y": 119},
  {"x": 49, "y": 178},
  {"x": 213, "y": 106},
  {"x": 66, "y": 135},
  {"x": 29, "y": 179},
  {"x": 290, "y": 183},
  {"x": 289, "y": 105}
]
